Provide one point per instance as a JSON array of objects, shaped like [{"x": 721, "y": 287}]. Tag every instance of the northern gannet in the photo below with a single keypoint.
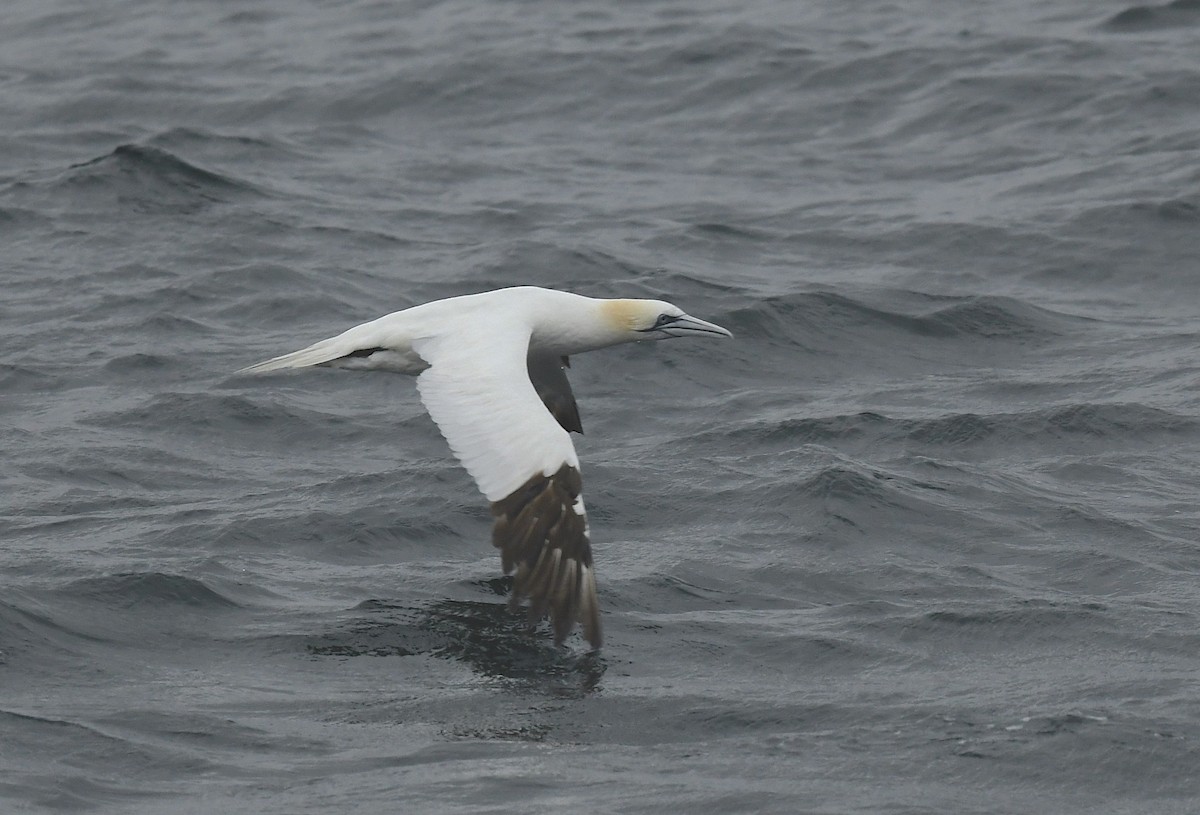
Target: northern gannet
[{"x": 490, "y": 371}]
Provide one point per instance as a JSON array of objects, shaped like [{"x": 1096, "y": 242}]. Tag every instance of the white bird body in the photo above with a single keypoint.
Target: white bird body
[
  {"x": 559, "y": 323},
  {"x": 490, "y": 372}
]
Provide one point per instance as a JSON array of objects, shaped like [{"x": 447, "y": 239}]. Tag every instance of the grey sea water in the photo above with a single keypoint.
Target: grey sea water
[{"x": 922, "y": 539}]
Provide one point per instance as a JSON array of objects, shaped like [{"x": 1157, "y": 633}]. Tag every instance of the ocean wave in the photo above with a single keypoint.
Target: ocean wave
[
  {"x": 136, "y": 365},
  {"x": 130, "y": 167},
  {"x": 1175, "y": 213},
  {"x": 366, "y": 532},
  {"x": 68, "y": 763},
  {"x": 827, "y": 320},
  {"x": 16, "y": 378},
  {"x": 1176, "y": 14},
  {"x": 146, "y": 589},
  {"x": 1019, "y": 616},
  {"x": 226, "y": 412},
  {"x": 138, "y": 178},
  {"x": 1113, "y": 423},
  {"x": 32, "y": 633},
  {"x": 844, "y": 483}
]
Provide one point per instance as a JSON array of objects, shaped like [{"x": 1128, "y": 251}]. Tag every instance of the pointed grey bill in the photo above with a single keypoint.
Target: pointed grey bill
[{"x": 687, "y": 326}]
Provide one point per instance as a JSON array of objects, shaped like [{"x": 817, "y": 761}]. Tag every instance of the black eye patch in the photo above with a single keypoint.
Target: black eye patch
[{"x": 663, "y": 321}]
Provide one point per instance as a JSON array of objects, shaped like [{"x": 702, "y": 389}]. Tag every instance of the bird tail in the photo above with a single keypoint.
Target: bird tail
[{"x": 315, "y": 354}]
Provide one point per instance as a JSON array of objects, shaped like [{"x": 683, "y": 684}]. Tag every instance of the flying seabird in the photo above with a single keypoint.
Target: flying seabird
[{"x": 490, "y": 369}]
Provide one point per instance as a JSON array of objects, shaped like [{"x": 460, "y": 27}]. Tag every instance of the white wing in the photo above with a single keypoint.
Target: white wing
[{"x": 478, "y": 391}]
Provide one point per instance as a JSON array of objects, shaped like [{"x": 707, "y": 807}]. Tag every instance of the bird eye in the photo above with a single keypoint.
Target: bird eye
[{"x": 664, "y": 319}]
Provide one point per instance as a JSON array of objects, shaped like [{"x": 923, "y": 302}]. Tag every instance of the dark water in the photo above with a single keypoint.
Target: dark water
[{"x": 923, "y": 539}]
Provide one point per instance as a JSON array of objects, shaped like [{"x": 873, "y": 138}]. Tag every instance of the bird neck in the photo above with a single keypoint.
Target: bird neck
[{"x": 574, "y": 324}]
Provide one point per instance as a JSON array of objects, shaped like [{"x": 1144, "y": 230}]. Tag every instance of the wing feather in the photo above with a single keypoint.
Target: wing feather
[
  {"x": 549, "y": 377},
  {"x": 479, "y": 392}
]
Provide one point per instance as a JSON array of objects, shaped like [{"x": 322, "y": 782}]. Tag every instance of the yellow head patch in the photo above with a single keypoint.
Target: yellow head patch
[{"x": 630, "y": 315}]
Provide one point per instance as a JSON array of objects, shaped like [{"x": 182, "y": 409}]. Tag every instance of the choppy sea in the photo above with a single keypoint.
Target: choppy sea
[{"x": 923, "y": 539}]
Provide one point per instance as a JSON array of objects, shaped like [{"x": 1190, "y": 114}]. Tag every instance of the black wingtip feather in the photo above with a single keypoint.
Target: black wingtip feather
[{"x": 544, "y": 538}]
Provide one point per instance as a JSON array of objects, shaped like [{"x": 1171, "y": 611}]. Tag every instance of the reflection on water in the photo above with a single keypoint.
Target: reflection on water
[{"x": 494, "y": 640}]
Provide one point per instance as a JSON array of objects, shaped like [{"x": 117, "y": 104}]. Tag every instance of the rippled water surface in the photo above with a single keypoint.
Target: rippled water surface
[{"x": 923, "y": 538}]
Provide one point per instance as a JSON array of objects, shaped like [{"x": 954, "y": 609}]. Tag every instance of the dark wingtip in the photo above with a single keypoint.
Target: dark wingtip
[
  {"x": 543, "y": 537},
  {"x": 591, "y": 628}
]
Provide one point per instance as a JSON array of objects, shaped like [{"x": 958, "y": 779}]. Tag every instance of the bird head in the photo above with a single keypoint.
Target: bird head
[{"x": 658, "y": 320}]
